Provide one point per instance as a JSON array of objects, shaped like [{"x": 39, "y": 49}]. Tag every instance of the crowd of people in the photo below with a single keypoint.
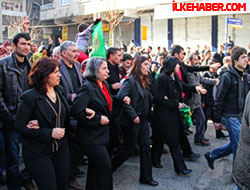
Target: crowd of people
[{"x": 64, "y": 107}]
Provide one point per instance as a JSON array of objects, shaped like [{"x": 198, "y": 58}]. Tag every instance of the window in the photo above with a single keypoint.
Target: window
[{"x": 63, "y": 2}]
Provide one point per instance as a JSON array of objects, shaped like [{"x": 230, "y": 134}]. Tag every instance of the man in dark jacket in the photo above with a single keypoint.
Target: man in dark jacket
[
  {"x": 71, "y": 80},
  {"x": 114, "y": 57},
  {"x": 229, "y": 104},
  {"x": 14, "y": 71},
  {"x": 178, "y": 52}
]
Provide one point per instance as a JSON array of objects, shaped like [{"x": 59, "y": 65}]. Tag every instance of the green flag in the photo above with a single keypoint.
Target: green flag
[{"x": 98, "y": 42}]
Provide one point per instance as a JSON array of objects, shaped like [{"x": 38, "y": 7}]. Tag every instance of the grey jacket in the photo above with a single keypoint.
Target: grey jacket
[
  {"x": 10, "y": 88},
  {"x": 66, "y": 81},
  {"x": 196, "y": 79},
  {"x": 241, "y": 167}
]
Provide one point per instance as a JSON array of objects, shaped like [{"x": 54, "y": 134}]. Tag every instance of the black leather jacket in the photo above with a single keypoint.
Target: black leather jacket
[
  {"x": 231, "y": 95},
  {"x": 10, "y": 88}
]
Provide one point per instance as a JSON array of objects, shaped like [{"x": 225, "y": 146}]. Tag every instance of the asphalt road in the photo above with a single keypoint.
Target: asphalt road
[{"x": 202, "y": 178}]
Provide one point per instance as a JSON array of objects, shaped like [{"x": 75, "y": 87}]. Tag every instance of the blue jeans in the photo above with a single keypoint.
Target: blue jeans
[
  {"x": 12, "y": 151},
  {"x": 233, "y": 125}
]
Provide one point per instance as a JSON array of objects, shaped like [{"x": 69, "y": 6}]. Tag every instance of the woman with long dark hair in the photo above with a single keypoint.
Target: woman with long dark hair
[
  {"x": 166, "y": 121},
  {"x": 134, "y": 119},
  {"x": 42, "y": 117}
]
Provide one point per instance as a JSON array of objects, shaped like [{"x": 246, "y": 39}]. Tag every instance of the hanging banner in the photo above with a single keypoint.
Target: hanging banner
[
  {"x": 111, "y": 38},
  {"x": 144, "y": 32},
  {"x": 64, "y": 33}
]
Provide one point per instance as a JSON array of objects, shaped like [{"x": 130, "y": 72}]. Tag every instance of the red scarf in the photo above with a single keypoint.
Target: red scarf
[
  {"x": 181, "y": 79},
  {"x": 106, "y": 94}
]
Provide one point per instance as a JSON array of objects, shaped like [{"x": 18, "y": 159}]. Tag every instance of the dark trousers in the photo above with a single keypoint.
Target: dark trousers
[
  {"x": 99, "y": 175},
  {"x": 49, "y": 171},
  {"x": 114, "y": 133},
  {"x": 184, "y": 142},
  {"x": 76, "y": 155},
  {"x": 75, "y": 150},
  {"x": 133, "y": 134},
  {"x": 179, "y": 164},
  {"x": 199, "y": 117},
  {"x": 208, "y": 111}
]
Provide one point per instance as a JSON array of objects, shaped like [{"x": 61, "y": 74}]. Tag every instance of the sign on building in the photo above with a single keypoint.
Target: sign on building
[
  {"x": 234, "y": 22},
  {"x": 47, "y": 33},
  {"x": 64, "y": 33},
  {"x": 144, "y": 32}
]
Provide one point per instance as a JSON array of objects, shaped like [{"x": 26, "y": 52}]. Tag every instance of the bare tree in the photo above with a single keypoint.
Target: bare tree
[{"x": 113, "y": 17}]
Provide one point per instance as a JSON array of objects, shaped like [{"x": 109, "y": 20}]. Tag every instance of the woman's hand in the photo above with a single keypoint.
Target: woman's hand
[
  {"x": 137, "y": 120},
  {"x": 33, "y": 124},
  {"x": 126, "y": 100},
  {"x": 58, "y": 133},
  {"x": 104, "y": 120},
  {"x": 90, "y": 112},
  {"x": 200, "y": 90},
  {"x": 181, "y": 105}
]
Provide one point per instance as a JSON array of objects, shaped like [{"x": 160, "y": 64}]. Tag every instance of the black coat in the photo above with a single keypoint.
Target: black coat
[
  {"x": 131, "y": 88},
  {"x": 113, "y": 78},
  {"x": 166, "y": 115},
  {"x": 33, "y": 106},
  {"x": 91, "y": 131}
]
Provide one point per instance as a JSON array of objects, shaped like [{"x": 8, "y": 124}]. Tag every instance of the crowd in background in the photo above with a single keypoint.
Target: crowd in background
[{"x": 65, "y": 108}]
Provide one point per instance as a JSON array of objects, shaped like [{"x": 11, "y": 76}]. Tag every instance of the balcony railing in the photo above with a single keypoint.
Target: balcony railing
[{"x": 47, "y": 7}]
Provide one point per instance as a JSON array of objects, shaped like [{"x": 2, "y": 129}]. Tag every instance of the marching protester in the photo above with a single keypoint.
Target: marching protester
[
  {"x": 71, "y": 80},
  {"x": 45, "y": 147},
  {"x": 166, "y": 115},
  {"x": 14, "y": 71},
  {"x": 114, "y": 57},
  {"x": 93, "y": 133},
  {"x": 134, "y": 119},
  {"x": 229, "y": 104},
  {"x": 72, "y": 108},
  {"x": 241, "y": 168}
]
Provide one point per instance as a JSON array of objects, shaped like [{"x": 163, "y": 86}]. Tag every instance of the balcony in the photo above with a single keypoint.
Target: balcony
[{"x": 47, "y": 6}]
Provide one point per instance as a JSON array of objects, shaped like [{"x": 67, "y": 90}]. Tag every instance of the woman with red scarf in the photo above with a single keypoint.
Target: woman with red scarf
[{"x": 93, "y": 134}]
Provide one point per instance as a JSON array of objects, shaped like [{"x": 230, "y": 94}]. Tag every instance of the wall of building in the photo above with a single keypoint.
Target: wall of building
[
  {"x": 189, "y": 32},
  {"x": 240, "y": 37},
  {"x": 125, "y": 32}
]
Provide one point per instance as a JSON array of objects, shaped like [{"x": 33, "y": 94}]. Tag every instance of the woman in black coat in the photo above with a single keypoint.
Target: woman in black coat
[
  {"x": 166, "y": 115},
  {"x": 44, "y": 144},
  {"x": 134, "y": 119},
  {"x": 93, "y": 134}
]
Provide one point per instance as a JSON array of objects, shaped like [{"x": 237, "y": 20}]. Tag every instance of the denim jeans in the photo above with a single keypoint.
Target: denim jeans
[
  {"x": 12, "y": 151},
  {"x": 233, "y": 125}
]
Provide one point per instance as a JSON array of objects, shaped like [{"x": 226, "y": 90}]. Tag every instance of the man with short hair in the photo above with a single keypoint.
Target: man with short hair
[
  {"x": 33, "y": 49},
  {"x": 14, "y": 71},
  {"x": 126, "y": 64},
  {"x": 71, "y": 80},
  {"x": 178, "y": 52},
  {"x": 114, "y": 57},
  {"x": 56, "y": 53},
  {"x": 194, "y": 102},
  {"x": 229, "y": 104}
]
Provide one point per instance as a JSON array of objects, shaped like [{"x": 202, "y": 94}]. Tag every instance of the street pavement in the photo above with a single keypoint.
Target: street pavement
[{"x": 202, "y": 177}]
